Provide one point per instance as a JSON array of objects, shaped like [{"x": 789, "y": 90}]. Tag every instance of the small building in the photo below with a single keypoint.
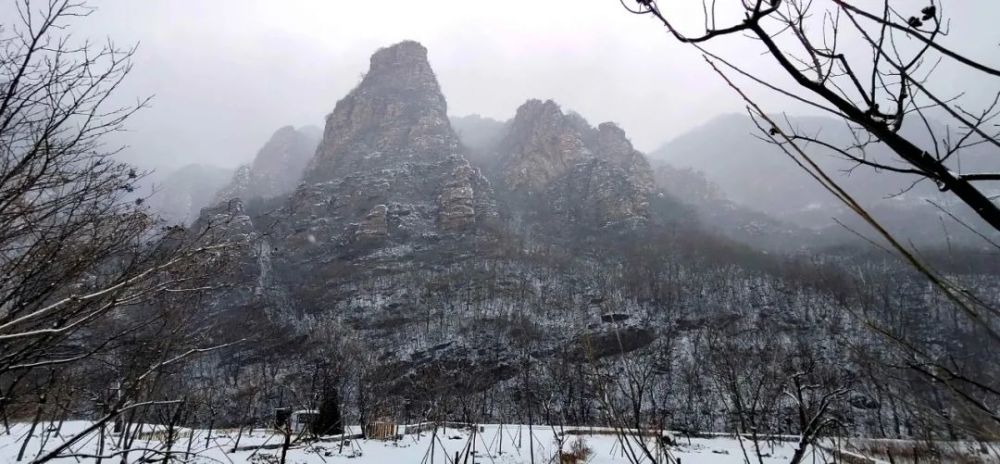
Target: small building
[
  {"x": 382, "y": 429},
  {"x": 302, "y": 420}
]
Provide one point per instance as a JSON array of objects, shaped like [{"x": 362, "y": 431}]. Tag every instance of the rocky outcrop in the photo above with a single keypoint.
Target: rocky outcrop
[
  {"x": 598, "y": 192},
  {"x": 396, "y": 114},
  {"x": 389, "y": 144},
  {"x": 457, "y": 200},
  {"x": 229, "y": 218},
  {"x": 374, "y": 224},
  {"x": 541, "y": 144},
  {"x": 277, "y": 167},
  {"x": 391, "y": 223},
  {"x": 589, "y": 175},
  {"x": 386, "y": 191},
  {"x": 614, "y": 146}
]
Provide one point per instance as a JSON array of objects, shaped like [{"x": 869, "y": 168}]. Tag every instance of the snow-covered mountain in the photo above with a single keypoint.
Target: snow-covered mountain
[{"x": 432, "y": 280}]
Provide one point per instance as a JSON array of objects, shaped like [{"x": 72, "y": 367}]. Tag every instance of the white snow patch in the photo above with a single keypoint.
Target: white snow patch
[{"x": 507, "y": 444}]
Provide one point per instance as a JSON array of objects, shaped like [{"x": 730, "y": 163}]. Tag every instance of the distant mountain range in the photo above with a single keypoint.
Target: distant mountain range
[
  {"x": 178, "y": 196},
  {"x": 730, "y": 153},
  {"x": 728, "y": 178}
]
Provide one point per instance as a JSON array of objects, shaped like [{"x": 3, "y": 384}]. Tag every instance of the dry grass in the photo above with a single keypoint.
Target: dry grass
[
  {"x": 162, "y": 435},
  {"x": 578, "y": 452}
]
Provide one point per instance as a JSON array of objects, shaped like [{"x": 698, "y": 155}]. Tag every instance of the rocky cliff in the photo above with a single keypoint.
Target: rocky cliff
[
  {"x": 277, "y": 167},
  {"x": 392, "y": 227},
  {"x": 389, "y": 160},
  {"x": 588, "y": 175}
]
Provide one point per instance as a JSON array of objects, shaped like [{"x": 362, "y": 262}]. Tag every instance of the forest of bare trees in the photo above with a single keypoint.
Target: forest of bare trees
[{"x": 873, "y": 67}]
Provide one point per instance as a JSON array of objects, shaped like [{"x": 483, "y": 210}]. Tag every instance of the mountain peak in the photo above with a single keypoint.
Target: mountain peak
[
  {"x": 276, "y": 168},
  {"x": 389, "y": 165},
  {"x": 592, "y": 174},
  {"x": 536, "y": 108},
  {"x": 407, "y": 55},
  {"x": 396, "y": 112}
]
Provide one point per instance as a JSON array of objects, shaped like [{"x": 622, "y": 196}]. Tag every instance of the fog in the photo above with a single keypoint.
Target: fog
[{"x": 224, "y": 74}]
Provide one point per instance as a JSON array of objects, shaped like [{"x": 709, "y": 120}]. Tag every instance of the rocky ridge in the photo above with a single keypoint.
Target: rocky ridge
[
  {"x": 389, "y": 199},
  {"x": 277, "y": 167},
  {"x": 394, "y": 237},
  {"x": 588, "y": 175},
  {"x": 397, "y": 263}
]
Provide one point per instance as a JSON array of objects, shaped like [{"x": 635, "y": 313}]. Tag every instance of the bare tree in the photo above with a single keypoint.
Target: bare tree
[
  {"x": 86, "y": 269},
  {"x": 874, "y": 70},
  {"x": 815, "y": 391},
  {"x": 874, "y": 87}
]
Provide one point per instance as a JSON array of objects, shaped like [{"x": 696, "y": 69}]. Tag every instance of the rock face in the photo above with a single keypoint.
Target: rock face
[
  {"x": 391, "y": 225},
  {"x": 588, "y": 175},
  {"x": 457, "y": 201},
  {"x": 397, "y": 114},
  {"x": 387, "y": 192},
  {"x": 277, "y": 167},
  {"x": 389, "y": 159},
  {"x": 374, "y": 224}
]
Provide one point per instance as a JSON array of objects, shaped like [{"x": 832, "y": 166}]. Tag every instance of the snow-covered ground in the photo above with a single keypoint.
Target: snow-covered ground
[{"x": 494, "y": 445}]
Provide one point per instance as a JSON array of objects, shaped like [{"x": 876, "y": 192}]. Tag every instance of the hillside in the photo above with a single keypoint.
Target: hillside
[
  {"x": 428, "y": 283},
  {"x": 757, "y": 175}
]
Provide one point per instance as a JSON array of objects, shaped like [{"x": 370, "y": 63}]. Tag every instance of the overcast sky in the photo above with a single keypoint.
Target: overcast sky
[{"x": 226, "y": 73}]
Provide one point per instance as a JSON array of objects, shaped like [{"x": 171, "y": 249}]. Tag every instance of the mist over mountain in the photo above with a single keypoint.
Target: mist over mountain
[
  {"x": 560, "y": 244},
  {"x": 555, "y": 140},
  {"x": 509, "y": 232},
  {"x": 730, "y": 154},
  {"x": 277, "y": 167},
  {"x": 479, "y": 135},
  {"x": 178, "y": 196},
  {"x": 390, "y": 210}
]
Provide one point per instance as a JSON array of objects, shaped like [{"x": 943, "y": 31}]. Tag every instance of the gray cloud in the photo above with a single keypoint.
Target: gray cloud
[{"x": 227, "y": 73}]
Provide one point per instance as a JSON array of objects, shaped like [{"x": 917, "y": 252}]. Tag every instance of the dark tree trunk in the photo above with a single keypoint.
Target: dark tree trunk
[{"x": 328, "y": 421}]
